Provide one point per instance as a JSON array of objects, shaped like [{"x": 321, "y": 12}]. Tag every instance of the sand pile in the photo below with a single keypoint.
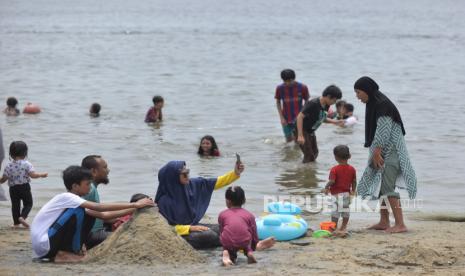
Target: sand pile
[
  {"x": 145, "y": 239},
  {"x": 418, "y": 255}
]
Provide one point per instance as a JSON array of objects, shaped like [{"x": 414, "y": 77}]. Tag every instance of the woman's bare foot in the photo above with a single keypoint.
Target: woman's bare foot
[
  {"x": 397, "y": 229},
  {"x": 380, "y": 226},
  {"x": 23, "y": 222},
  {"x": 266, "y": 243},
  {"x": 251, "y": 258},
  {"x": 226, "y": 259},
  {"x": 68, "y": 257}
]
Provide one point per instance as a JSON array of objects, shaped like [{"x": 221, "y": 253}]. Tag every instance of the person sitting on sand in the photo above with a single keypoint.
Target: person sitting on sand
[
  {"x": 388, "y": 156},
  {"x": 238, "y": 230},
  {"x": 342, "y": 183},
  {"x": 11, "y": 109},
  {"x": 59, "y": 229},
  {"x": 183, "y": 201},
  {"x": 208, "y": 146},
  {"x": 19, "y": 173},
  {"x": 154, "y": 113},
  {"x": 99, "y": 170}
]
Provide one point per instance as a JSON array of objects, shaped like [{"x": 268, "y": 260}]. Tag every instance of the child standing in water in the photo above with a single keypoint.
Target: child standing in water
[
  {"x": 290, "y": 97},
  {"x": 154, "y": 113},
  {"x": 208, "y": 146},
  {"x": 11, "y": 109},
  {"x": 342, "y": 183},
  {"x": 19, "y": 173},
  {"x": 238, "y": 230}
]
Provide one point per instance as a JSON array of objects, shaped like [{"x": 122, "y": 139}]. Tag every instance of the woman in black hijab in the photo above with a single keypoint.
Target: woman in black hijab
[{"x": 388, "y": 159}]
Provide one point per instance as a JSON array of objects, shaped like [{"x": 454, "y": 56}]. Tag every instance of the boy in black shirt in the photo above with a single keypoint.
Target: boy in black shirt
[{"x": 311, "y": 117}]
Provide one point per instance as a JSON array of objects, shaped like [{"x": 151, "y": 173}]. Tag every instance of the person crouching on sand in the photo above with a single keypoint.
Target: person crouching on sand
[{"x": 238, "y": 230}]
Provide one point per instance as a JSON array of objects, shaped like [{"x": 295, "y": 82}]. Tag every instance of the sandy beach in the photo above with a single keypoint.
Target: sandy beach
[{"x": 431, "y": 247}]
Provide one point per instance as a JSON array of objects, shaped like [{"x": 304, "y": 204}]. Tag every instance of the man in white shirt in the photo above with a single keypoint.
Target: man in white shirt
[{"x": 60, "y": 228}]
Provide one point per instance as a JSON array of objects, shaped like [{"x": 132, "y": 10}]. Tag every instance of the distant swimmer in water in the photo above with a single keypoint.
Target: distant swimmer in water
[
  {"x": 208, "y": 146},
  {"x": 154, "y": 113},
  {"x": 94, "y": 110},
  {"x": 11, "y": 109}
]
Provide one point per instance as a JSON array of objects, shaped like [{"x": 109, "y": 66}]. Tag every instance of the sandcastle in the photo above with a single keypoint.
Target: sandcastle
[{"x": 146, "y": 239}]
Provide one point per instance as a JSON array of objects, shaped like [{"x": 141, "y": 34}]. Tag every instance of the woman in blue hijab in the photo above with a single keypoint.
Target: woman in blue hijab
[{"x": 183, "y": 201}]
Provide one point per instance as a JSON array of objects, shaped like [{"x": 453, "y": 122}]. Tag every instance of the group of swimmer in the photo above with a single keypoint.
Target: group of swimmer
[{"x": 75, "y": 221}]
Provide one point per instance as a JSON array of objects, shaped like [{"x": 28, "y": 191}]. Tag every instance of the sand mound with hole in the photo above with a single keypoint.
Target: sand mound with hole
[
  {"x": 418, "y": 255},
  {"x": 145, "y": 239}
]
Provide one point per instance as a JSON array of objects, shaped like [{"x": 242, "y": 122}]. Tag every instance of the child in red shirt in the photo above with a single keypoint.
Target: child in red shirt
[
  {"x": 154, "y": 113},
  {"x": 342, "y": 183}
]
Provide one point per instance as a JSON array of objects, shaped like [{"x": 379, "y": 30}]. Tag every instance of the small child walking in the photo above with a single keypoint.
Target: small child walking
[
  {"x": 19, "y": 173},
  {"x": 342, "y": 183},
  {"x": 154, "y": 113},
  {"x": 238, "y": 230}
]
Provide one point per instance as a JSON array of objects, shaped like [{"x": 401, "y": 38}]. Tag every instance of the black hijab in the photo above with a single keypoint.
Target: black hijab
[{"x": 378, "y": 105}]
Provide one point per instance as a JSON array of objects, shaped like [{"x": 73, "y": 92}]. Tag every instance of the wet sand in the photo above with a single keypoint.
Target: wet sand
[{"x": 430, "y": 247}]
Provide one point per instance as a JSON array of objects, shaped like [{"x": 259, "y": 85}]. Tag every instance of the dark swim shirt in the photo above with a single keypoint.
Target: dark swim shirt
[{"x": 315, "y": 114}]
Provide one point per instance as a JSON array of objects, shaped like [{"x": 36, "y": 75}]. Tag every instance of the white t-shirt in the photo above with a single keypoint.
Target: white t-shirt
[
  {"x": 352, "y": 120},
  {"x": 18, "y": 171},
  {"x": 47, "y": 215}
]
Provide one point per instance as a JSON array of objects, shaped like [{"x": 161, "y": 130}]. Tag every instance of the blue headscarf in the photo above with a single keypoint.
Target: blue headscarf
[{"x": 182, "y": 204}]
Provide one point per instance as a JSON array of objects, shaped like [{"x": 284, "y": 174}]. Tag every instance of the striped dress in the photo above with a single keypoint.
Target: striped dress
[{"x": 390, "y": 138}]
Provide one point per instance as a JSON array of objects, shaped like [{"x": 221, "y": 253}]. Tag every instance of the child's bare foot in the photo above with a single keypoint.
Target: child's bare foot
[
  {"x": 226, "y": 259},
  {"x": 266, "y": 243},
  {"x": 23, "y": 222},
  {"x": 397, "y": 229},
  {"x": 67, "y": 257},
  {"x": 340, "y": 233},
  {"x": 251, "y": 258},
  {"x": 380, "y": 226}
]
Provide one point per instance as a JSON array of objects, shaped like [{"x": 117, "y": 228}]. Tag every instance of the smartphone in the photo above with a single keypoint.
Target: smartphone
[{"x": 238, "y": 158}]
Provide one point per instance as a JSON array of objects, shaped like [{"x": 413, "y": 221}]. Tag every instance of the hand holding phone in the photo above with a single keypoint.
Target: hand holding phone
[
  {"x": 239, "y": 168},
  {"x": 238, "y": 158}
]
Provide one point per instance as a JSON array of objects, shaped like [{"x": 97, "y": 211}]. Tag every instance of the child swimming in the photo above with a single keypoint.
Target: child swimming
[
  {"x": 349, "y": 118},
  {"x": 11, "y": 109},
  {"x": 154, "y": 113},
  {"x": 94, "y": 110}
]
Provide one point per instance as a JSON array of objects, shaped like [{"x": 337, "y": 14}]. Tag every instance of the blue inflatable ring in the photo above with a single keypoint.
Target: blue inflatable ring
[{"x": 283, "y": 223}]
